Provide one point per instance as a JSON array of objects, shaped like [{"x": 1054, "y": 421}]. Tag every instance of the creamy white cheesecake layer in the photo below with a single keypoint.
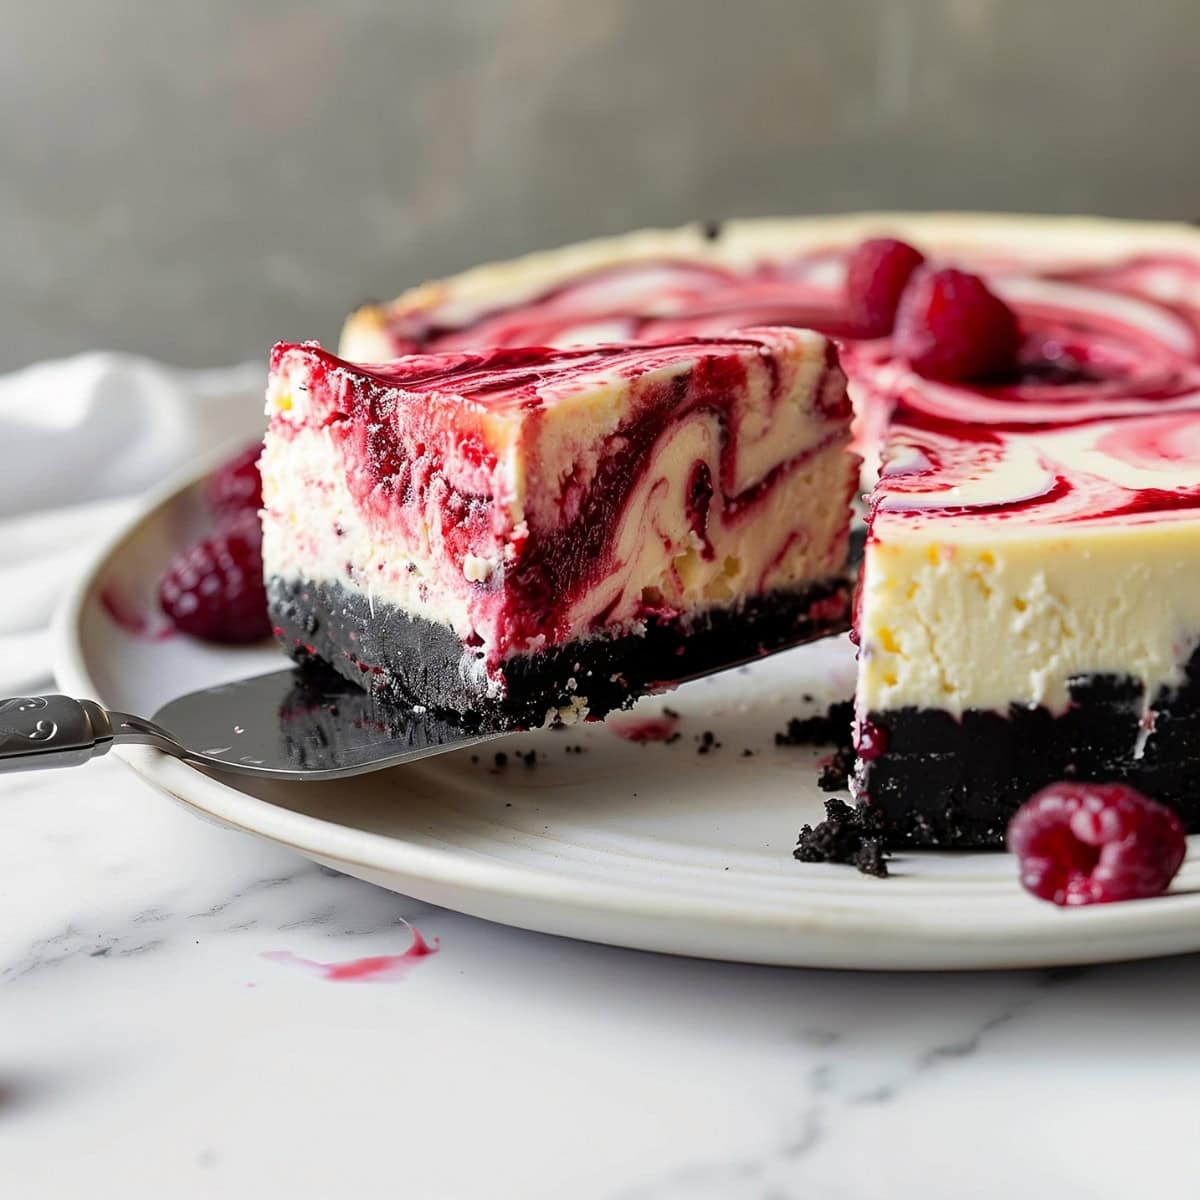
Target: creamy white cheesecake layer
[{"x": 956, "y": 622}]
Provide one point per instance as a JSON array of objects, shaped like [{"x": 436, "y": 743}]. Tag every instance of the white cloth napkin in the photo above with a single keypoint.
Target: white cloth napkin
[{"x": 81, "y": 440}]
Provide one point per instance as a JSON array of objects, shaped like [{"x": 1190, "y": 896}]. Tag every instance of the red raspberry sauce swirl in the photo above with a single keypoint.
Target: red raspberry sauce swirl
[{"x": 1097, "y": 422}]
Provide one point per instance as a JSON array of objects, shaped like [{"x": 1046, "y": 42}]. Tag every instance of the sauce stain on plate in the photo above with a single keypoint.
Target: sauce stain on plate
[{"x": 643, "y": 729}]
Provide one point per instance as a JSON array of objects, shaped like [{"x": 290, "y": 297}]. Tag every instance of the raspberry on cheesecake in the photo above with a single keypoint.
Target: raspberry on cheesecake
[{"x": 520, "y": 533}]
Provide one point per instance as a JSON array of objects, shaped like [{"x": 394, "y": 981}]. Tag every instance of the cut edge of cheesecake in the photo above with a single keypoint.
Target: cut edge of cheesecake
[{"x": 1004, "y": 645}]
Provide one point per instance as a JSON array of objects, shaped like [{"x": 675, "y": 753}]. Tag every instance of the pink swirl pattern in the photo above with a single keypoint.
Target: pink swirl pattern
[
  {"x": 1130, "y": 470},
  {"x": 1110, "y": 352}
]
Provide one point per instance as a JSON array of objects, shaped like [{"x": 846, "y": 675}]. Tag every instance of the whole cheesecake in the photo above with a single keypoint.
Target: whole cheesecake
[{"x": 1029, "y": 603}]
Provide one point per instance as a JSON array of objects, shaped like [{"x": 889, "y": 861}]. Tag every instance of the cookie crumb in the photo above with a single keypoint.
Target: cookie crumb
[
  {"x": 833, "y": 728},
  {"x": 835, "y": 774},
  {"x": 854, "y": 836},
  {"x": 501, "y": 759}
]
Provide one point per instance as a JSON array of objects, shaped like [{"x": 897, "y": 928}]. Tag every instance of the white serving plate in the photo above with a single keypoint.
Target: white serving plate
[{"x": 647, "y": 846}]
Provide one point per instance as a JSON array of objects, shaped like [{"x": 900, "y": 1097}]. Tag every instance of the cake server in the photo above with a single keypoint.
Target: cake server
[
  {"x": 294, "y": 724},
  {"x": 291, "y": 724}
]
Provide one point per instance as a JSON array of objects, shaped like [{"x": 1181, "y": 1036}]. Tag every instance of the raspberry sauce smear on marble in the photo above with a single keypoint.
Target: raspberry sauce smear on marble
[{"x": 379, "y": 968}]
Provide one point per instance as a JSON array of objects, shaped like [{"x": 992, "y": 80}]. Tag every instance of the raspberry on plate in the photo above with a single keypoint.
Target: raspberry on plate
[
  {"x": 1093, "y": 843},
  {"x": 236, "y": 485},
  {"x": 951, "y": 327},
  {"x": 876, "y": 274},
  {"x": 214, "y": 589}
]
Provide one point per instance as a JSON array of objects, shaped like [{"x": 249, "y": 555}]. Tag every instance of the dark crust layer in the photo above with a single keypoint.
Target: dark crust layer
[
  {"x": 406, "y": 659},
  {"x": 941, "y": 781}
]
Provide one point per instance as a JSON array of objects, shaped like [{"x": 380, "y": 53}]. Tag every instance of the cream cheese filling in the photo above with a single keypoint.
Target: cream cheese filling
[{"x": 1009, "y": 617}]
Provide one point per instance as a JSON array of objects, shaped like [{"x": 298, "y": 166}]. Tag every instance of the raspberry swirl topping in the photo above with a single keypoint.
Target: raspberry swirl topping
[
  {"x": 1131, "y": 470},
  {"x": 1099, "y": 341}
]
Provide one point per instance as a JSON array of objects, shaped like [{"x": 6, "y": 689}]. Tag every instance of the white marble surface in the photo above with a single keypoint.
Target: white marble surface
[{"x": 147, "y": 1049}]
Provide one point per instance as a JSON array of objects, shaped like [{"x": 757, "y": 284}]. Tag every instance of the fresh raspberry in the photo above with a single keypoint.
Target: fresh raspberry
[
  {"x": 1092, "y": 843},
  {"x": 876, "y": 275},
  {"x": 236, "y": 485},
  {"x": 214, "y": 589},
  {"x": 950, "y": 327}
]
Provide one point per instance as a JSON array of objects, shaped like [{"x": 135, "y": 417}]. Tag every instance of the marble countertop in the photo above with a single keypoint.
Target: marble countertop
[{"x": 149, "y": 1049}]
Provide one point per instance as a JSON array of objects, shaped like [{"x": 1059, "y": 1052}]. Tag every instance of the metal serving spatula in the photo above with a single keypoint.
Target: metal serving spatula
[
  {"x": 291, "y": 724},
  {"x": 296, "y": 724}
]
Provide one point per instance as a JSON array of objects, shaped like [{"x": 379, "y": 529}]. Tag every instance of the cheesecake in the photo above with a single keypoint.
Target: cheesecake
[
  {"x": 1027, "y": 606},
  {"x": 529, "y": 535}
]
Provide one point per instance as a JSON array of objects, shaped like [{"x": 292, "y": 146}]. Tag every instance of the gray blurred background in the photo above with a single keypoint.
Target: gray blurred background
[{"x": 193, "y": 179}]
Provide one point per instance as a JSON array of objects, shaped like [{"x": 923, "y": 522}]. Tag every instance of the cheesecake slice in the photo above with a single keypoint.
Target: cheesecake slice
[{"x": 521, "y": 535}]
